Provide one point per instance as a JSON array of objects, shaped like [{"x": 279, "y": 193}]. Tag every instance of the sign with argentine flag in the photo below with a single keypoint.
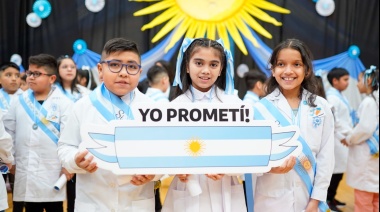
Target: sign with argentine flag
[{"x": 192, "y": 139}]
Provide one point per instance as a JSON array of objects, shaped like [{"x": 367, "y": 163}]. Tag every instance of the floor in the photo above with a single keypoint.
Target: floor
[{"x": 344, "y": 194}]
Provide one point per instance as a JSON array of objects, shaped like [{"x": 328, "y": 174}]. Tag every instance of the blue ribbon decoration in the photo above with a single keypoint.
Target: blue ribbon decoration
[{"x": 177, "y": 78}]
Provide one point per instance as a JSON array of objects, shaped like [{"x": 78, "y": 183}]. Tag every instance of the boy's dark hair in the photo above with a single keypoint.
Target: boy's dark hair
[
  {"x": 48, "y": 62},
  {"x": 308, "y": 82},
  {"x": 119, "y": 45},
  {"x": 167, "y": 65},
  {"x": 252, "y": 77},
  {"x": 194, "y": 46},
  {"x": 154, "y": 72},
  {"x": 6, "y": 65},
  {"x": 73, "y": 86},
  {"x": 336, "y": 73}
]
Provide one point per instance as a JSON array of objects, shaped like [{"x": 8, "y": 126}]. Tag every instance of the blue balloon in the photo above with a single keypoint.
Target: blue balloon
[
  {"x": 80, "y": 46},
  {"x": 353, "y": 51},
  {"x": 42, "y": 8}
]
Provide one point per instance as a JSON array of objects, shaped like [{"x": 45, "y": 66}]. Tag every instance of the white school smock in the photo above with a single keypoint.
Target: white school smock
[
  {"x": 362, "y": 168},
  {"x": 251, "y": 98},
  {"x": 102, "y": 190},
  {"x": 157, "y": 95},
  {"x": 4, "y": 101},
  {"x": 343, "y": 126},
  {"x": 5, "y": 157},
  {"x": 37, "y": 163},
  {"x": 76, "y": 95},
  {"x": 225, "y": 195},
  {"x": 287, "y": 192}
]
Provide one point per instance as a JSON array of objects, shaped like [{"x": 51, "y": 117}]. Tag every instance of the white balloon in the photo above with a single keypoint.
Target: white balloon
[
  {"x": 95, "y": 5},
  {"x": 16, "y": 58},
  {"x": 241, "y": 70},
  {"x": 325, "y": 7},
  {"x": 33, "y": 20}
]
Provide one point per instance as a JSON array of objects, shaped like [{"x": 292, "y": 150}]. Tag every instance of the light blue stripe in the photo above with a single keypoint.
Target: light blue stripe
[
  {"x": 188, "y": 132},
  {"x": 192, "y": 162},
  {"x": 249, "y": 194},
  {"x": 103, "y": 157},
  {"x": 283, "y": 135},
  {"x": 99, "y": 106},
  {"x": 102, "y": 137},
  {"x": 279, "y": 156}
]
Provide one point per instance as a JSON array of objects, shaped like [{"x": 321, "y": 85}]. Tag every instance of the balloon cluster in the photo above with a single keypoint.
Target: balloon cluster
[{"x": 41, "y": 10}]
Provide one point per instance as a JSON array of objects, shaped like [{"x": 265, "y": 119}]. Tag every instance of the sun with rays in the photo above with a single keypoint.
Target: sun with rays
[
  {"x": 211, "y": 18},
  {"x": 194, "y": 147}
]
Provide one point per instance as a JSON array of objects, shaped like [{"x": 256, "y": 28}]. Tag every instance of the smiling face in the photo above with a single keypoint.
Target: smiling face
[
  {"x": 289, "y": 71},
  {"x": 204, "y": 68},
  {"x": 67, "y": 70},
  {"x": 119, "y": 83},
  {"x": 10, "y": 80}
]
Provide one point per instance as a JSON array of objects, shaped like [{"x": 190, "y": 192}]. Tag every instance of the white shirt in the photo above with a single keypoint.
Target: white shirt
[
  {"x": 5, "y": 157},
  {"x": 156, "y": 95},
  {"x": 287, "y": 192},
  {"x": 343, "y": 126},
  {"x": 37, "y": 163},
  {"x": 251, "y": 98},
  {"x": 102, "y": 190},
  {"x": 4, "y": 103},
  {"x": 225, "y": 195},
  {"x": 363, "y": 169}
]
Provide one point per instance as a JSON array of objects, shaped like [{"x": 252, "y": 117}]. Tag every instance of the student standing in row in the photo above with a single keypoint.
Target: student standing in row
[
  {"x": 98, "y": 189},
  {"x": 291, "y": 100},
  {"x": 6, "y": 158},
  {"x": 363, "y": 141},
  {"x": 34, "y": 121},
  {"x": 255, "y": 81},
  {"x": 339, "y": 80}
]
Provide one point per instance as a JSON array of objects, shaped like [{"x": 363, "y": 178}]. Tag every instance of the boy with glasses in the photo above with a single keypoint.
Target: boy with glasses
[
  {"x": 34, "y": 121},
  {"x": 98, "y": 189}
]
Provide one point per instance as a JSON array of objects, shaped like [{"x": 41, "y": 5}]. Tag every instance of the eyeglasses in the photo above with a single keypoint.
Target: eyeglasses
[
  {"x": 116, "y": 66},
  {"x": 35, "y": 74}
]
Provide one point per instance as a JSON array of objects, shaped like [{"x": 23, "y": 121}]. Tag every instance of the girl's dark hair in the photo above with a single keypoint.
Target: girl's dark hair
[
  {"x": 194, "y": 47},
  {"x": 85, "y": 73},
  {"x": 73, "y": 86},
  {"x": 309, "y": 83},
  {"x": 321, "y": 90}
]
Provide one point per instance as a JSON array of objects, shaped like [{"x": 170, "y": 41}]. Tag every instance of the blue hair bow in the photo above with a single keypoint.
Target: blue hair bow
[{"x": 230, "y": 67}]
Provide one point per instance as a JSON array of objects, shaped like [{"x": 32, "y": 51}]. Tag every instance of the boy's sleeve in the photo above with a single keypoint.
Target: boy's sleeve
[
  {"x": 9, "y": 120},
  {"x": 342, "y": 129},
  {"x": 69, "y": 141},
  {"x": 5, "y": 144}
]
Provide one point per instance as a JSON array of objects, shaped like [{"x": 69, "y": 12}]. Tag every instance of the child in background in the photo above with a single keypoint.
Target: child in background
[
  {"x": 169, "y": 69},
  {"x": 10, "y": 83},
  {"x": 67, "y": 79},
  {"x": 101, "y": 190},
  {"x": 291, "y": 100},
  {"x": 159, "y": 82},
  {"x": 363, "y": 141},
  {"x": 85, "y": 78},
  {"x": 339, "y": 80},
  {"x": 23, "y": 85},
  {"x": 34, "y": 121},
  {"x": 255, "y": 84},
  {"x": 5, "y": 158}
]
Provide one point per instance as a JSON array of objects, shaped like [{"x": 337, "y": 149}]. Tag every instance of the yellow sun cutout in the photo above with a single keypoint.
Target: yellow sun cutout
[
  {"x": 195, "y": 147},
  {"x": 200, "y": 18}
]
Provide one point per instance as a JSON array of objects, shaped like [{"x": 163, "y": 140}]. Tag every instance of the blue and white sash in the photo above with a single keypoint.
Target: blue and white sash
[
  {"x": 373, "y": 143},
  {"x": 334, "y": 92},
  {"x": 69, "y": 95},
  {"x": 38, "y": 114},
  {"x": 157, "y": 96},
  {"x": 306, "y": 164},
  {"x": 5, "y": 100},
  {"x": 102, "y": 99}
]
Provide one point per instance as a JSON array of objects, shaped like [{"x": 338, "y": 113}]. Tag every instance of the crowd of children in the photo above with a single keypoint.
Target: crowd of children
[{"x": 40, "y": 131}]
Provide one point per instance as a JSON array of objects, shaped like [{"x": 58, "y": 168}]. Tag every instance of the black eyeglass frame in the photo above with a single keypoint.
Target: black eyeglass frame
[{"x": 35, "y": 74}]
